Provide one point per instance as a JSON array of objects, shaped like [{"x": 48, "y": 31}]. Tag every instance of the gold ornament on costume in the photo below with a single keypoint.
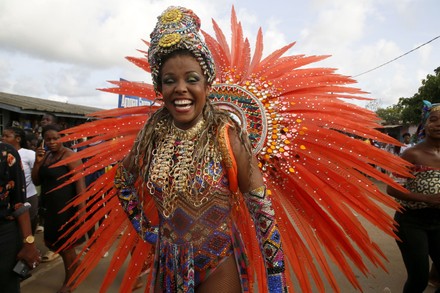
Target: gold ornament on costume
[
  {"x": 188, "y": 133},
  {"x": 174, "y": 164},
  {"x": 170, "y": 16},
  {"x": 178, "y": 28},
  {"x": 169, "y": 40},
  {"x": 435, "y": 108}
]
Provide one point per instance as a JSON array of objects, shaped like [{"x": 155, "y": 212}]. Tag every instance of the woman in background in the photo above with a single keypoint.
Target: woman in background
[
  {"x": 16, "y": 137},
  {"x": 419, "y": 222},
  {"x": 16, "y": 240},
  {"x": 54, "y": 201}
]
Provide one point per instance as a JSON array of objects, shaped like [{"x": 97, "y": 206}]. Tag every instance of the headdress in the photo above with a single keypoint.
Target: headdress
[
  {"x": 178, "y": 28},
  {"x": 427, "y": 109},
  {"x": 303, "y": 134}
]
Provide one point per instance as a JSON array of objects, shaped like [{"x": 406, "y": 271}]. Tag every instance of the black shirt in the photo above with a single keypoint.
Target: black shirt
[{"x": 12, "y": 181}]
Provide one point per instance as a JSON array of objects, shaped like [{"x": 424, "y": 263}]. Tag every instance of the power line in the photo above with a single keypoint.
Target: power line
[{"x": 397, "y": 57}]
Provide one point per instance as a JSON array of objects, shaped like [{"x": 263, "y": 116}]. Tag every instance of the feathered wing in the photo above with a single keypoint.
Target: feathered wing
[
  {"x": 311, "y": 149},
  {"x": 313, "y": 157}
]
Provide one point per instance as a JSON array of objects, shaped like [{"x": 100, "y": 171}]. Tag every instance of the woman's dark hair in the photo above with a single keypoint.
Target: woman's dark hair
[
  {"x": 20, "y": 133},
  {"x": 48, "y": 127},
  {"x": 31, "y": 139}
]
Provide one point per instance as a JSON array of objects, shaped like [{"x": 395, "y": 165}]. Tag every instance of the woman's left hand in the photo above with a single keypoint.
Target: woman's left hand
[{"x": 30, "y": 254}]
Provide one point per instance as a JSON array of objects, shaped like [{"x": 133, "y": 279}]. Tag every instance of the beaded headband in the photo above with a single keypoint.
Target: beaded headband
[
  {"x": 178, "y": 28},
  {"x": 427, "y": 109}
]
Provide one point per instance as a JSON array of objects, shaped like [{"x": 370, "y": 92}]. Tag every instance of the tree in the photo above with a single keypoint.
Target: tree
[
  {"x": 430, "y": 91},
  {"x": 390, "y": 115}
]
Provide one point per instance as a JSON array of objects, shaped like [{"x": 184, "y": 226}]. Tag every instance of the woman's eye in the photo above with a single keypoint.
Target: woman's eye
[
  {"x": 193, "y": 79},
  {"x": 167, "y": 80}
]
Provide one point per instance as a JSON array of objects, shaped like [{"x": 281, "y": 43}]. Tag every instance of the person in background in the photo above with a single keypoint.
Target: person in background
[
  {"x": 406, "y": 142},
  {"x": 31, "y": 140},
  {"x": 17, "y": 138},
  {"x": 47, "y": 119},
  {"x": 16, "y": 240},
  {"x": 50, "y": 178},
  {"x": 419, "y": 222}
]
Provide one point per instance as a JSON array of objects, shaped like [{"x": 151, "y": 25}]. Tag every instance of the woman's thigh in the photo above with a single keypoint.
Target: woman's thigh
[{"x": 225, "y": 278}]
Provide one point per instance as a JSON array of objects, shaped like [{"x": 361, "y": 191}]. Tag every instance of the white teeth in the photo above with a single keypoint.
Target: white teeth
[{"x": 182, "y": 102}]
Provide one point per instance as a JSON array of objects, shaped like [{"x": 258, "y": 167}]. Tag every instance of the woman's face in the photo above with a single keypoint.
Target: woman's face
[
  {"x": 51, "y": 138},
  {"x": 8, "y": 136},
  {"x": 432, "y": 126},
  {"x": 184, "y": 90}
]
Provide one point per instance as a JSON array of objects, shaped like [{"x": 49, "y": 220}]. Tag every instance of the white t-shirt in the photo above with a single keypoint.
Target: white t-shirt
[
  {"x": 28, "y": 158},
  {"x": 406, "y": 146}
]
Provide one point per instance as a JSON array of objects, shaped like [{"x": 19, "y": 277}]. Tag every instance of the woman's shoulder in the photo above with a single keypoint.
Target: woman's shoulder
[
  {"x": 415, "y": 154},
  {"x": 68, "y": 152}
]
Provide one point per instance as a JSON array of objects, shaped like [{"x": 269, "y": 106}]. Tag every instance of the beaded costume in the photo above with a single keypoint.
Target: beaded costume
[
  {"x": 316, "y": 169},
  {"x": 196, "y": 231}
]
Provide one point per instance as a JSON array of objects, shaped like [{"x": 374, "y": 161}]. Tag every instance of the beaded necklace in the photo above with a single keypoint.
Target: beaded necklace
[{"x": 176, "y": 171}]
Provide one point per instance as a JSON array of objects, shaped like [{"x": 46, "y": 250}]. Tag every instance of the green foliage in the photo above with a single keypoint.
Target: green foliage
[
  {"x": 390, "y": 115},
  {"x": 408, "y": 111},
  {"x": 429, "y": 90}
]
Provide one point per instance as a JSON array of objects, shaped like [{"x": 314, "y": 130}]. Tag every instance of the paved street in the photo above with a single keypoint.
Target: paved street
[{"x": 48, "y": 277}]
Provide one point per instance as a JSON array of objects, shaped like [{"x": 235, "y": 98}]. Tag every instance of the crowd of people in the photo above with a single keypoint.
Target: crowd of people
[
  {"x": 185, "y": 157},
  {"x": 42, "y": 205}
]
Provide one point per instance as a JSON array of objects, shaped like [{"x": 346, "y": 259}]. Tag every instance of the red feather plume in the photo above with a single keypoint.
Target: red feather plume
[{"x": 312, "y": 153}]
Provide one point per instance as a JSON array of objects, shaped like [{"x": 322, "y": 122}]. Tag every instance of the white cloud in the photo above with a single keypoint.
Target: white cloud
[{"x": 68, "y": 48}]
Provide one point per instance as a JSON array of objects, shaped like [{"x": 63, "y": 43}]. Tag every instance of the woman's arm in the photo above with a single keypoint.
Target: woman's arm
[
  {"x": 413, "y": 196},
  {"x": 29, "y": 251},
  {"x": 415, "y": 156},
  {"x": 129, "y": 199},
  {"x": 251, "y": 184},
  {"x": 40, "y": 153}
]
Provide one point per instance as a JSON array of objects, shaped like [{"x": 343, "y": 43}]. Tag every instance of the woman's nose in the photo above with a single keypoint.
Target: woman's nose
[{"x": 181, "y": 86}]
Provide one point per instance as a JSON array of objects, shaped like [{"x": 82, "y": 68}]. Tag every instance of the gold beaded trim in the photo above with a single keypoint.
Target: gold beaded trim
[
  {"x": 435, "y": 108},
  {"x": 176, "y": 170},
  {"x": 169, "y": 40},
  {"x": 188, "y": 133},
  {"x": 170, "y": 16}
]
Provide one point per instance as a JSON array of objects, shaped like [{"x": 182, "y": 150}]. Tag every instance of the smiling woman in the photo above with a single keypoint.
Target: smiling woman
[
  {"x": 184, "y": 88},
  {"x": 217, "y": 200},
  {"x": 419, "y": 222}
]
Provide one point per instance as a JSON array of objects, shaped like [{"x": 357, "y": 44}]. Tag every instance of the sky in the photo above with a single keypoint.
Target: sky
[{"x": 64, "y": 50}]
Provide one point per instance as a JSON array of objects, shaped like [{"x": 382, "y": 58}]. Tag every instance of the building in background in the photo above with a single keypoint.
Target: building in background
[{"x": 26, "y": 112}]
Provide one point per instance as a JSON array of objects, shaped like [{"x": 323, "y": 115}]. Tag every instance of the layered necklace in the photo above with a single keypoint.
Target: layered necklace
[{"x": 175, "y": 167}]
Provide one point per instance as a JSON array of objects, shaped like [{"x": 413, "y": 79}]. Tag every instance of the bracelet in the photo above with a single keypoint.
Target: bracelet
[{"x": 23, "y": 208}]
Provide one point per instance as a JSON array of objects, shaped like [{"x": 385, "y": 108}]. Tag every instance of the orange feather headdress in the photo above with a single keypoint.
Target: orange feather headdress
[{"x": 309, "y": 143}]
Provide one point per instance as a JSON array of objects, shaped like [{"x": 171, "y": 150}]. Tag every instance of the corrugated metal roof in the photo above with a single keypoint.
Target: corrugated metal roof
[{"x": 31, "y": 105}]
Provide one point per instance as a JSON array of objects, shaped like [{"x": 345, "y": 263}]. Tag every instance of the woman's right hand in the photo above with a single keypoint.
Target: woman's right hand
[{"x": 39, "y": 154}]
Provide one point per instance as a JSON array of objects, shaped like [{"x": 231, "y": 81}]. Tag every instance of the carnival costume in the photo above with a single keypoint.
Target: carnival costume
[{"x": 305, "y": 138}]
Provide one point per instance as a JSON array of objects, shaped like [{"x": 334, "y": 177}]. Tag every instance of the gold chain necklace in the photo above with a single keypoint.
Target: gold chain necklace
[
  {"x": 174, "y": 168},
  {"x": 190, "y": 133}
]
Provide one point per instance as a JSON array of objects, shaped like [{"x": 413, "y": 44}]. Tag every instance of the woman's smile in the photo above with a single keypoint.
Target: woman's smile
[{"x": 184, "y": 89}]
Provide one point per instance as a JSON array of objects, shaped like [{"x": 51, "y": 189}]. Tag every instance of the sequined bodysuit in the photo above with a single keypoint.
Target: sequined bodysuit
[{"x": 198, "y": 232}]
